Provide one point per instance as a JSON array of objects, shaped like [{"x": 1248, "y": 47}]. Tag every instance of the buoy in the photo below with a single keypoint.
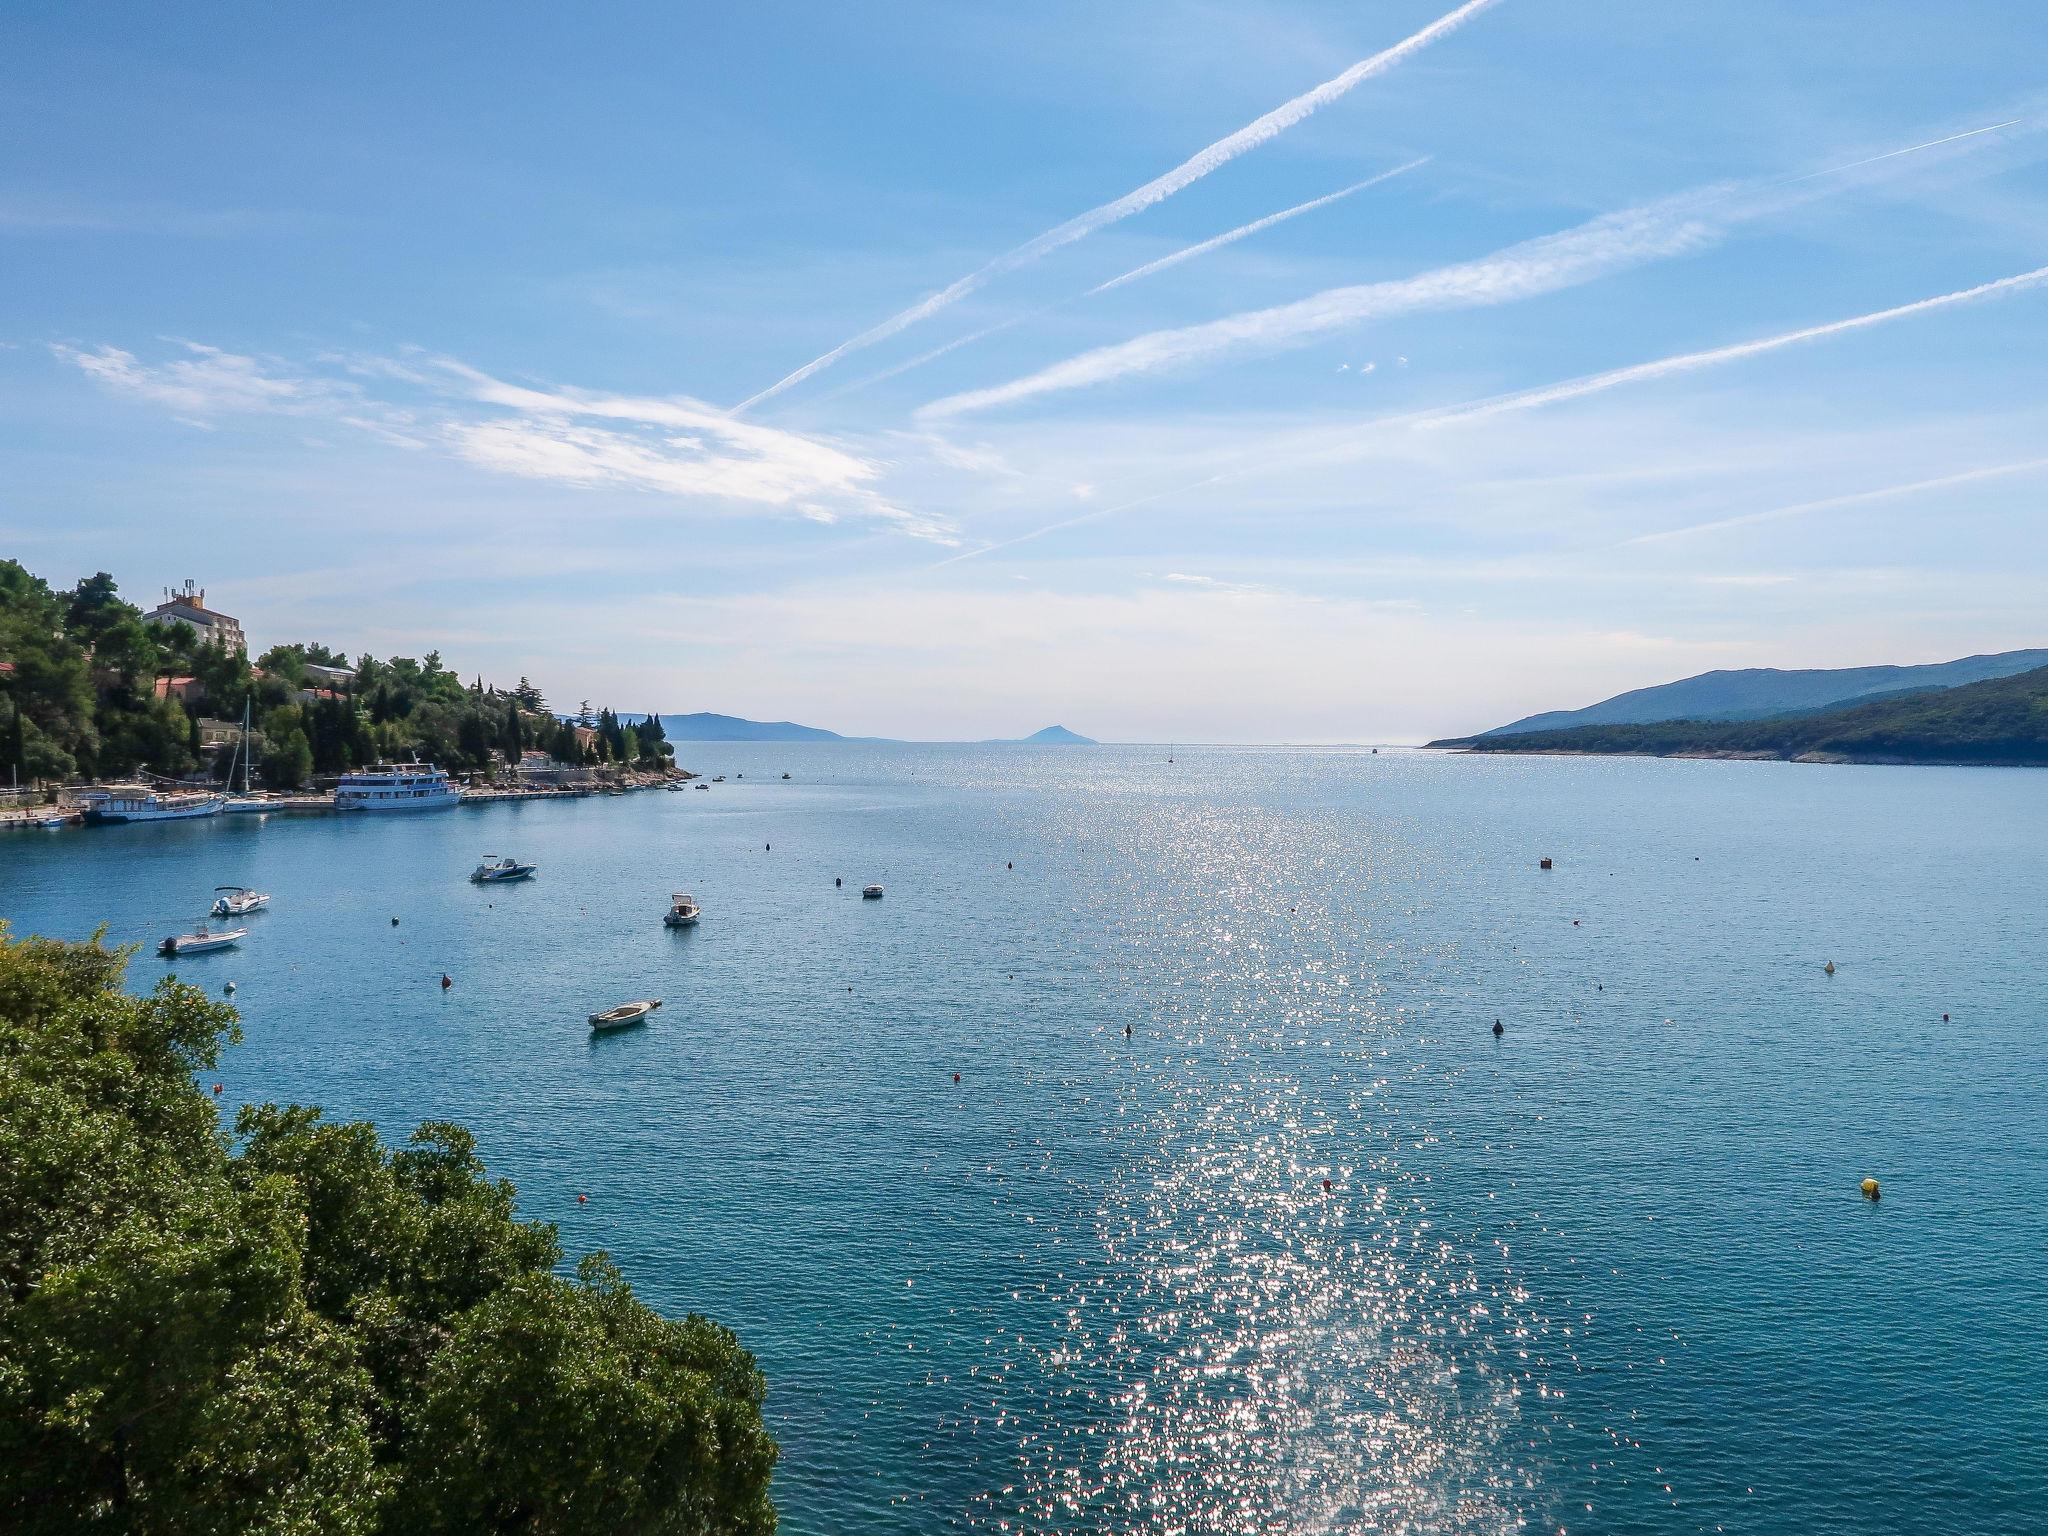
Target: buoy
[
  {"x": 1870, "y": 1189},
  {"x": 1499, "y": 1029},
  {"x": 1010, "y": 864},
  {"x": 1326, "y": 1186},
  {"x": 837, "y": 882},
  {"x": 1829, "y": 968},
  {"x": 1575, "y": 922},
  {"x": 1127, "y": 1031},
  {"x": 1944, "y": 1018},
  {"x": 229, "y": 989},
  {"x": 394, "y": 922},
  {"x": 767, "y": 847},
  {"x": 956, "y": 1077},
  {"x": 216, "y": 1090},
  {"x": 583, "y": 1199},
  {"x": 446, "y": 981},
  {"x": 1543, "y": 863}
]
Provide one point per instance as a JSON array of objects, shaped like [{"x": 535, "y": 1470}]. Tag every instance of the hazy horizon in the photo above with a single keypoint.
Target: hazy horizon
[{"x": 1270, "y": 375}]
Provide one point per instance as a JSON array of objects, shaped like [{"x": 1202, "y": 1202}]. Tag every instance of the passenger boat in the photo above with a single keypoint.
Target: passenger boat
[
  {"x": 237, "y": 901},
  {"x": 494, "y": 869},
  {"x": 871, "y": 893},
  {"x": 396, "y": 787},
  {"x": 623, "y": 1016},
  {"x": 200, "y": 942},
  {"x": 683, "y": 911},
  {"x": 114, "y": 807}
]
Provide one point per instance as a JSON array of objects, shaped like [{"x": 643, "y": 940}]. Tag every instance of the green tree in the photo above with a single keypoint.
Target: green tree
[{"x": 298, "y": 1331}]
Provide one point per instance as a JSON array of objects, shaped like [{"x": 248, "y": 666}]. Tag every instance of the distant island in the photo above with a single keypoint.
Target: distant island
[
  {"x": 2001, "y": 721},
  {"x": 705, "y": 726}
]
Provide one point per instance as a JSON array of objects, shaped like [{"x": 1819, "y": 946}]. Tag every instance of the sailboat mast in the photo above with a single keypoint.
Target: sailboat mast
[{"x": 245, "y": 744}]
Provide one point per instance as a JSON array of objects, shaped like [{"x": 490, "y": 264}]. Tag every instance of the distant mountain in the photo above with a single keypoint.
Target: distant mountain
[
  {"x": 2002, "y": 721},
  {"x": 1758, "y": 693},
  {"x": 708, "y": 727},
  {"x": 704, "y": 726}
]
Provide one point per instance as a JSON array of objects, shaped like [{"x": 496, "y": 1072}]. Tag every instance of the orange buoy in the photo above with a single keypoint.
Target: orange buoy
[
  {"x": 583, "y": 1199},
  {"x": 216, "y": 1090}
]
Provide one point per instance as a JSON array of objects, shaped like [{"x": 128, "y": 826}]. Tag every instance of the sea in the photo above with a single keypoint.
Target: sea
[{"x": 1147, "y": 1159}]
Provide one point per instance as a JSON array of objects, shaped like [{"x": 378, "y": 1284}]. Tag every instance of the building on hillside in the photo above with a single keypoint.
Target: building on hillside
[
  {"x": 185, "y": 690},
  {"x": 586, "y": 737},
  {"x": 187, "y": 606},
  {"x": 538, "y": 769},
  {"x": 341, "y": 679}
]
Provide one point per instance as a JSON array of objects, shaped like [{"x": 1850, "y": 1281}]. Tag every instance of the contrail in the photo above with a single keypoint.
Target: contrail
[
  {"x": 1852, "y": 499},
  {"x": 1571, "y": 390},
  {"x": 1231, "y": 237},
  {"x": 1687, "y": 362},
  {"x": 1910, "y": 149},
  {"x": 1613, "y": 242},
  {"x": 1193, "y": 169},
  {"x": 1186, "y": 253}
]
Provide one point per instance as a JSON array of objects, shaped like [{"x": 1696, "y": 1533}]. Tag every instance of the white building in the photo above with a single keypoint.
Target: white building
[{"x": 188, "y": 607}]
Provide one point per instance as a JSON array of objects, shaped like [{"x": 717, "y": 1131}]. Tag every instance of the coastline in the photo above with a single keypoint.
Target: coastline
[{"x": 1733, "y": 755}]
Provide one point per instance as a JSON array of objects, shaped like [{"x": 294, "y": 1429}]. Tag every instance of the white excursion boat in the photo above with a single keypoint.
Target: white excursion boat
[
  {"x": 495, "y": 869},
  {"x": 623, "y": 1016},
  {"x": 683, "y": 911},
  {"x": 200, "y": 942},
  {"x": 137, "y": 802},
  {"x": 871, "y": 892},
  {"x": 237, "y": 901},
  {"x": 396, "y": 787}
]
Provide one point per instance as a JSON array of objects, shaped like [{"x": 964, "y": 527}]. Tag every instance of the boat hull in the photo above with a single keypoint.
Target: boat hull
[{"x": 102, "y": 816}]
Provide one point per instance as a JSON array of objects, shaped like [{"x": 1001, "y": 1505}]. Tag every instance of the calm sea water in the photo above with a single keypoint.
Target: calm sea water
[{"x": 1609, "y": 1272}]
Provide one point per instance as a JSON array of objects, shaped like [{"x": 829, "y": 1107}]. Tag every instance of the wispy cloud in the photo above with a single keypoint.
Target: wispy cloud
[
  {"x": 670, "y": 445},
  {"x": 1689, "y": 362},
  {"x": 1232, "y": 236},
  {"x": 1194, "y": 168}
]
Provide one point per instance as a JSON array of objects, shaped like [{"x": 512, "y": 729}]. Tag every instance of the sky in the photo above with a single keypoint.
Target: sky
[{"x": 1202, "y": 372}]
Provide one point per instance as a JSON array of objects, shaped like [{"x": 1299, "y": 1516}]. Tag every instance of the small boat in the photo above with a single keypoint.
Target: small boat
[
  {"x": 679, "y": 784},
  {"x": 54, "y": 821},
  {"x": 237, "y": 901},
  {"x": 495, "y": 869},
  {"x": 871, "y": 893},
  {"x": 785, "y": 775},
  {"x": 683, "y": 911},
  {"x": 718, "y": 778},
  {"x": 200, "y": 942},
  {"x": 700, "y": 786},
  {"x": 623, "y": 1016}
]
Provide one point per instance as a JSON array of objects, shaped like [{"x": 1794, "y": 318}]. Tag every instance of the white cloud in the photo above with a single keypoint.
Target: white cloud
[{"x": 205, "y": 382}]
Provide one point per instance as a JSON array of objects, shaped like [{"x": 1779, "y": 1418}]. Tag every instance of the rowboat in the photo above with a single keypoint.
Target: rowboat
[
  {"x": 237, "y": 901},
  {"x": 624, "y": 1016},
  {"x": 200, "y": 942}
]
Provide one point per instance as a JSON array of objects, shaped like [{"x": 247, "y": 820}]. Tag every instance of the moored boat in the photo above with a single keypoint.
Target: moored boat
[
  {"x": 623, "y": 1016},
  {"x": 237, "y": 901},
  {"x": 396, "y": 787},
  {"x": 199, "y": 942},
  {"x": 871, "y": 892},
  {"x": 683, "y": 911},
  {"x": 137, "y": 802},
  {"x": 494, "y": 869}
]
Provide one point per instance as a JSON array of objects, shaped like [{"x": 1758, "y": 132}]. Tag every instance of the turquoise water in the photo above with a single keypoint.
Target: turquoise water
[{"x": 1609, "y": 1272}]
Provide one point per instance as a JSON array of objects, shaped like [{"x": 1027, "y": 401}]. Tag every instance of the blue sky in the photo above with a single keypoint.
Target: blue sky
[{"x": 461, "y": 326}]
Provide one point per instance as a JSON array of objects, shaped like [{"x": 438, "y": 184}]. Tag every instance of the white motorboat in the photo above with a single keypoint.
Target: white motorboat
[
  {"x": 623, "y": 1016},
  {"x": 871, "y": 893},
  {"x": 115, "y": 807},
  {"x": 683, "y": 911},
  {"x": 237, "y": 901},
  {"x": 200, "y": 942},
  {"x": 396, "y": 787},
  {"x": 679, "y": 784},
  {"x": 494, "y": 869}
]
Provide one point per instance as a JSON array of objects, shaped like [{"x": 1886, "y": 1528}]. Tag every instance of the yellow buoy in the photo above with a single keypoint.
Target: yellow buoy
[{"x": 1870, "y": 1189}]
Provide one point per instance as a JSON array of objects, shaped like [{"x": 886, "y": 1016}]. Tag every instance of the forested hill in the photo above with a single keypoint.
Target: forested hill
[
  {"x": 1753, "y": 693},
  {"x": 2003, "y": 721}
]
